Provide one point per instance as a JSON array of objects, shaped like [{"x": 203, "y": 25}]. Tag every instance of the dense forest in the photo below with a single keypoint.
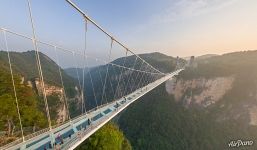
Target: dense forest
[
  {"x": 98, "y": 74},
  {"x": 109, "y": 137},
  {"x": 158, "y": 121},
  {"x": 29, "y": 94},
  {"x": 31, "y": 116}
]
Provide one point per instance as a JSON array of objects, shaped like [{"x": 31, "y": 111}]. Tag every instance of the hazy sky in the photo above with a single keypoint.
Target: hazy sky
[{"x": 173, "y": 27}]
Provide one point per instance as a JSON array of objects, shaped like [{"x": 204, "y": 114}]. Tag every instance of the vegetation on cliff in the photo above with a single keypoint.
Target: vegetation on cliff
[{"x": 109, "y": 137}]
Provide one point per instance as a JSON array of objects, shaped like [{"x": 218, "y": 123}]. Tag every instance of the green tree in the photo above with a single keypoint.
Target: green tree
[{"x": 109, "y": 137}]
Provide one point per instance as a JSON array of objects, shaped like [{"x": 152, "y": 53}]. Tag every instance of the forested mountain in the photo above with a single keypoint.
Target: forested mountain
[
  {"x": 108, "y": 137},
  {"x": 28, "y": 102},
  {"x": 30, "y": 99},
  {"x": 94, "y": 88},
  {"x": 29, "y": 93},
  {"x": 210, "y": 104}
]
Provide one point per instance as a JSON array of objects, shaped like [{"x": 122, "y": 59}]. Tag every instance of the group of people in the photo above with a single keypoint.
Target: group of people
[{"x": 57, "y": 146}]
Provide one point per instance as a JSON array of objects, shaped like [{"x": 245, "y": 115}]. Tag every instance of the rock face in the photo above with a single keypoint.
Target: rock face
[
  {"x": 50, "y": 90},
  {"x": 202, "y": 92}
]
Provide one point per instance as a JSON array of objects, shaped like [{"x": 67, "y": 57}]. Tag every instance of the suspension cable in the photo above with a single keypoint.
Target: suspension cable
[
  {"x": 117, "y": 88},
  {"x": 110, "y": 53},
  {"x": 13, "y": 84},
  {"x": 101, "y": 79},
  {"x": 115, "y": 73},
  {"x": 138, "y": 74},
  {"x": 131, "y": 75},
  {"x": 111, "y": 84},
  {"x": 92, "y": 84},
  {"x": 139, "y": 84},
  {"x": 77, "y": 73},
  {"x": 39, "y": 65},
  {"x": 83, "y": 71},
  {"x": 72, "y": 51},
  {"x": 105, "y": 32},
  {"x": 62, "y": 83}
]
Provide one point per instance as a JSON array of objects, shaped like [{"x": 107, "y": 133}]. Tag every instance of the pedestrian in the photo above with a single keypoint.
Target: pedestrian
[
  {"x": 50, "y": 145},
  {"x": 88, "y": 121},
  {"x": 61, "y": 141}
]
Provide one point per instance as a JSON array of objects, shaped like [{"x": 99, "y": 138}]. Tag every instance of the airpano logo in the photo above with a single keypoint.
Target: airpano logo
[{"x": 240, "y": 143}]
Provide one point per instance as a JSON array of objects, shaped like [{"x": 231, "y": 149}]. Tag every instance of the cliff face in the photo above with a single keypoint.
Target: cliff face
[
  {"x": 56, "y": 91},
  {"x": 228, "y": 98},
  {"x": 56, "y": 99},
  {"x": 202, "y": 92}
]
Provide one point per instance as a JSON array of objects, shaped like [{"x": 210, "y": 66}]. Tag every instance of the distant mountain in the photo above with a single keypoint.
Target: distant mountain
[
  {"x": 206, "y": 56},
  {"x": 206, "y": 107},
  {"x": 75, "y": 72},
  {"x": 24, "y": 63},
  {"x": 158, "y": 60},
  {"x": 94, "y": 90},
  {"x": 30, "y": 98}
]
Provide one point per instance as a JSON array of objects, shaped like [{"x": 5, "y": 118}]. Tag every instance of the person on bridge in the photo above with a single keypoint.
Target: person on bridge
[
  {"x": 88, "y": 121},
  {"x": 117, "y": 105},
  {"x": 50, "y": 145},
  {"x": 125, "y": 99}
]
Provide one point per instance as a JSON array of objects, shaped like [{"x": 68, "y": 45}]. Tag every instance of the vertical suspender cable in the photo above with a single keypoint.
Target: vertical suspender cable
[
  {"x": 101, "y": 79},
  {"x": 106, "y": 74},
  {"x": 83, "y": 71},
  {"x": 13, "y": 83},
  {"x": 101, "y": 29},
  {"x": 92, "y": 84},
  {"x": 77, "y": 73},
  {"x": 63, "y": 88},
  {"x": 139, "y": 84},
  {"x": 86, "y": 63},
  {"x": 39, "y": 65},
  {"x": 117, "y": 88},
  {"x": 115, "y": 74},
  {"x": 145, "y": 81},
  {"x": 131, "y": 75},
  {"x": 111, "y": 84},
  {"x": 138, "y": 74}
]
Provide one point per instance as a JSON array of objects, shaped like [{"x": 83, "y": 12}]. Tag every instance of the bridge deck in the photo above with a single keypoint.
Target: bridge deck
[{"x": 75, "y": 131}]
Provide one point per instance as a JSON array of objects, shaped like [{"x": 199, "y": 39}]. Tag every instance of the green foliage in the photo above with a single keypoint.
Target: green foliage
[
  {"x": 27, "y": 100},
  {"x": 162, "y": 62},
  {"x": 24, "y": 65},
  {"x": 157, "y": 122},
  {"x": 107, "y": 138}
]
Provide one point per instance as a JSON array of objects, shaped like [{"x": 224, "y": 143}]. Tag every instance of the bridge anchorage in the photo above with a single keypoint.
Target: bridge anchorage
[{"x": 103, "y": 91}]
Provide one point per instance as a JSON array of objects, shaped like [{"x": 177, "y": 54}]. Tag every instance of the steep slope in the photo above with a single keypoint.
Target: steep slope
[
  {"x": 32, "y": 118},
  {"x": 26, "y": 72},
  {"x": 207, "y": 107},
  {"x": 94, "y": 91},
  {"x": 25, "y": 64},
  {"x": 109, "y": 137}
]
